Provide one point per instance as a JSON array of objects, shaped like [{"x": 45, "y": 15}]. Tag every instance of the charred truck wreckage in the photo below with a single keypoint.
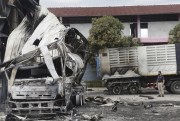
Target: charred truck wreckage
[{"x": 44, "y": 63}]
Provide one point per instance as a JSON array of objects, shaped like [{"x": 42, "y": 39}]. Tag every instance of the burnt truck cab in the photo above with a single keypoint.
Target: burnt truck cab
[
  {"x": 44, "y": 63},
  {"x": 32, "y": 89}
]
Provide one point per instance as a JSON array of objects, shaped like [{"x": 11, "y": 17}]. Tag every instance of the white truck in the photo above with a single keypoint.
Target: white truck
[{"x": 130, "y": 68}]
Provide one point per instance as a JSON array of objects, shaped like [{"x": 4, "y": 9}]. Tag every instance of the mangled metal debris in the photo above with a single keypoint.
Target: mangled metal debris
[
  {"x": 148, "y": 106},
  {"x": 94, "y": 117},
  {"x": 100, "y": 100},
  {"x": 44, "y": 63},
  {"x": 82, "y": 117},
  {"x": 114, "y": 108}
]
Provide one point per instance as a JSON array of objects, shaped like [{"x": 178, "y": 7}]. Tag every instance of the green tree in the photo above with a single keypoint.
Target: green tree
[
  {"x": 105, "y": 32},
  {"x": 127, "y": 41},
  {"x": 174, "y": 35}
]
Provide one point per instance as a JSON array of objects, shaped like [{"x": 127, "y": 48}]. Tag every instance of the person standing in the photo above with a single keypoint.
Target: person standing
[{"x": 160, "y": 84}]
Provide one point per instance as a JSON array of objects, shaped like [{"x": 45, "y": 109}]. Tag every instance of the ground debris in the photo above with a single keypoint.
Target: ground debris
[
  {"x": 89, "y": 99},
  {"x": 133, "y": 104},
  {"x": 108, "y": 104},
  {"x": 99, "y": 100},
  {"x": 114, "y": 108},
  {"x": 154, "y": 111},
  {"x": 86, "y": 117},
  {"x": 177, "y": 106},
  {"x": 90, "y": 89},
  {"x": 94, "y": 117},
  {"x": 149, "y": 97},
  {"x": 148, "y": 106},
  {"x": 167, "y": 105}
]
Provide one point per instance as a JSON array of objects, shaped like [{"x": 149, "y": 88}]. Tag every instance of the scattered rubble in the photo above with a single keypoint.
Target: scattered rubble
[
  {"x": 167, "y": 105},
  {"x": 148, "y": 106},
  {"x": 114, "y": 107},
  {"x": 99, "y": 100},
  {"x": 121, "y": 109},
  {"x": 177, "y": 106},
  {"x": 90, "y": 90},
  {"x": 94, "y": 117},
  {"x": 149, "y": 97}
]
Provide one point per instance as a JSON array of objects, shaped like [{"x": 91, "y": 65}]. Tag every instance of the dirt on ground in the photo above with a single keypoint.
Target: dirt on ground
[
  {"x": 100, "y": 105},
  {"x": 146, "y": 106}
]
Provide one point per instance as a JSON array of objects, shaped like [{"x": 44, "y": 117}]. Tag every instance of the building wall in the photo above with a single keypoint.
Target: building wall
[
  {"x": 126, "y": 31},
  {"x": 83, "y": 28},
  {"x": 155, "y": 29},
  {"x": 160, "y": 29}
]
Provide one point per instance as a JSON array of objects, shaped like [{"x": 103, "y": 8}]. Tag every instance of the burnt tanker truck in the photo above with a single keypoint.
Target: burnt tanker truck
[
  {"x": 131, "y": 68},
  {"x": 44, "y": 63}
]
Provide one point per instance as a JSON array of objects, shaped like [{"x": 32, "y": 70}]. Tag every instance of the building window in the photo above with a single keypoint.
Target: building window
[
  {"x": 144, "y": 30},
  {"x": 133, "y": 30}
]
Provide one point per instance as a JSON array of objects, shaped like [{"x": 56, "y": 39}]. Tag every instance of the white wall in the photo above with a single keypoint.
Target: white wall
[
  {"x": 155, "y": 29},
  {"x": 83, "y": 28},
  {"x": 160, "y": 29},
  {"x": 126, "y": 31}
]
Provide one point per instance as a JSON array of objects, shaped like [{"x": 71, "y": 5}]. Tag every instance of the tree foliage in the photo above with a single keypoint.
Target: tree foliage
[
  {"x": 174, "y": 35},
  {"x": 106, "y": 32},
  {"x": 128, "y": 41}
]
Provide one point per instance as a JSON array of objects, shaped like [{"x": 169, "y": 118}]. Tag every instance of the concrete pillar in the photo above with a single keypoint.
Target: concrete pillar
[{"x": 138, "y": 27}]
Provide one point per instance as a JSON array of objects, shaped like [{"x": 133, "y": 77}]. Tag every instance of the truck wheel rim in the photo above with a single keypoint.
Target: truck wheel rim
[
  {"x": 177, "y": 87},
  {"x": 117, "y": 90},
  {"x": 133, "y": 90}
]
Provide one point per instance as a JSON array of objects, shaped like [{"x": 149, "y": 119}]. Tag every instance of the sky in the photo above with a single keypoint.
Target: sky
[{"x": 104, "y": 3}]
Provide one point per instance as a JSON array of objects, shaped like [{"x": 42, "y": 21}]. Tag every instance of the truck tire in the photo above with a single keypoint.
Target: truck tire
[
  {"x": 117, "y": 89},
  {"x": 168, "y": 88},
  {"x": 175, "y": 87},
  {"x": 133, "y": 89},
  {"x": 11, "y": 117},
  {"x": 108, "y": 85}
]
